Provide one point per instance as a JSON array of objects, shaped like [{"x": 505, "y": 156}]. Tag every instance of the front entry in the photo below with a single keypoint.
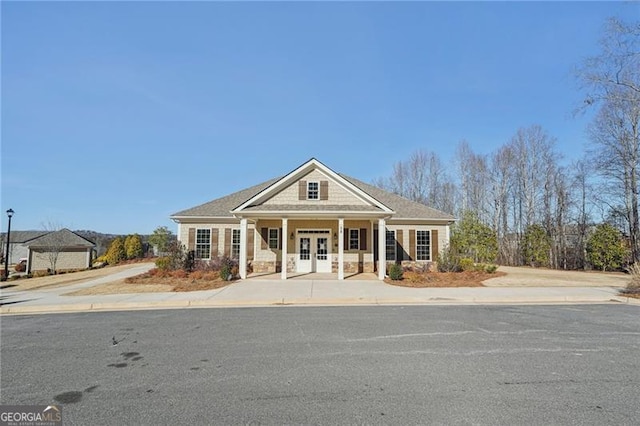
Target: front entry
[{"x": 314, "y": 250}]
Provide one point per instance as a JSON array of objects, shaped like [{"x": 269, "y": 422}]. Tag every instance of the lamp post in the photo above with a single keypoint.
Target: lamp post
[{"x": 6, "y": 252}]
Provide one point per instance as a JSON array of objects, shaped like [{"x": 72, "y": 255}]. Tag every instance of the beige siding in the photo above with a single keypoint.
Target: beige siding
[
  {"x": 442, "y": 240},
  {"x": 184, "y": 233},
  {"x": 337, "y": 193},
  {"x": 73, "y": 259}
]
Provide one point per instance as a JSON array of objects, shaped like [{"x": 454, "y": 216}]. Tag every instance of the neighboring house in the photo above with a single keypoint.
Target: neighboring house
[
  {"x": 70, "y": 250},
  {"x": 315, "y": 220}
]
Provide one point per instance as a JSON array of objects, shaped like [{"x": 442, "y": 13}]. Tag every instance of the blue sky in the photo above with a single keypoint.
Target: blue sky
[{"x": 117, "y": 114}]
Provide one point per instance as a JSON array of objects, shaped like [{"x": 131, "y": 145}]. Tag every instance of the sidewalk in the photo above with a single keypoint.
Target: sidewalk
[{"x": 249, "y": 293}]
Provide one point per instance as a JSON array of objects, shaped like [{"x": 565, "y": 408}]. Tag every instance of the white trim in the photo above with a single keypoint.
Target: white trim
[
  {"x": 302, "y": 171},
  {"x": 243, "y": 248},
  {"x": 340, "y": 248},
  {"x": 309, "y": 182},
  {"x": 429, "y": 232},
  {"x": 382, "y": 249},
  {"x": 277, "y": 238},
  {"x": 285, "y": 242},
  {"x": 349, "y": 239},
  {"x": 395, "y": 243},
  {"x": 195, "y": 243}
]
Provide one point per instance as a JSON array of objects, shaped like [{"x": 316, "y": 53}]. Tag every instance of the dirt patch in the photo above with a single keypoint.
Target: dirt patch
[
  {"x": 444, "y": 279},
  {"x": 61, "y": 280}
]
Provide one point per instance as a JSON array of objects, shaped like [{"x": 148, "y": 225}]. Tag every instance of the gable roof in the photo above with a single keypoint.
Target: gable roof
[
  {"x": 221, "y": 207},
  {"x": 249, "y": 200},
  {"x": 297, "y": 174},
  {"x": 18, "y": 237},
  {"x": 60, "y": 238}
]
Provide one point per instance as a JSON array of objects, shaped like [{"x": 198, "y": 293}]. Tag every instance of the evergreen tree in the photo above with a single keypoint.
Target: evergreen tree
[
  {"x": 606, "y": 249},
  {"x": 472, "y": 239},
  {"x": 536, "y": 246},
  {"x": 133, "y": 246},
  {"x": 116, "y": 252}
]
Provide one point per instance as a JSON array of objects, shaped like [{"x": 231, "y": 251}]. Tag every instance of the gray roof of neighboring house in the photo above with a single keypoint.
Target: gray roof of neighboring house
[
  {"x": 18, "y": 237},
  {"x": 61, "y": 238},
  {"x": 404, "y": 208}
]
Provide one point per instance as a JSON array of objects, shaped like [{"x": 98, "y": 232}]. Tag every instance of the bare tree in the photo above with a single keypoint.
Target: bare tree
[
  {"x": 612, "y": 83},
  {"x": 423, "y": 179},
  {"x": 53, "y": 243}
]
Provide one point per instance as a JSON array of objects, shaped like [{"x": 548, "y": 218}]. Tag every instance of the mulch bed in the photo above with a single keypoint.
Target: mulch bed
[
  {"x": 181, "y": 281},
  {"x": 444, "y": 279}
]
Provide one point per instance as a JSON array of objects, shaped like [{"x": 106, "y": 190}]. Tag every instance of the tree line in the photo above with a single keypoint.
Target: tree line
[{"x": 544, "y": 212}]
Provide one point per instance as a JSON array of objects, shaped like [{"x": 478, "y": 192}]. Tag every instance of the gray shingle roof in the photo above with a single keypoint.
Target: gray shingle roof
[
  {"x": 23, "y": 236},
  {"x": 404, "y": 208},
  {"x": 60, "y": 238},
  {"x": 221, "y": 207}
]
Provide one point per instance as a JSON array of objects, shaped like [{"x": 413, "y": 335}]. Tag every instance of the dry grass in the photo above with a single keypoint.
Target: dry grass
[
  {"x": 444, "y": 279},
  {"x": 120, "y": 287},
  {"x": 54, "y": 281},
  {"x": 633, "y": 288}
]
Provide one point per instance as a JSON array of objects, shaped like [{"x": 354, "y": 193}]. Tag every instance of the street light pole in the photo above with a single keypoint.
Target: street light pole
[{"x": 6, "y": 252}]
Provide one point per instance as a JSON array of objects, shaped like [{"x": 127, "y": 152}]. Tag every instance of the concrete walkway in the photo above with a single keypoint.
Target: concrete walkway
[{"x": 298, "y": 292}]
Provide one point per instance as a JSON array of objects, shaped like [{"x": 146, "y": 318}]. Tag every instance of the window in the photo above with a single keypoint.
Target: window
[
  {"x": 354, "y": 239},
  {"x": 423, "y": 243},
  {"x": 235, "y": 244},
  {"x": 203, "y": 243},
  {"x": 274, "y": 238},
  {"x": 390, "y": 245},
  {"x": 312, "y": 191}
]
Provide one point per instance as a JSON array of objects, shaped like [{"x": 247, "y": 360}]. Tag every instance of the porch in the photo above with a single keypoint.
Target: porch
[
  {"x": 312, "y": 248},
  {"x": 314, "y": 276}
]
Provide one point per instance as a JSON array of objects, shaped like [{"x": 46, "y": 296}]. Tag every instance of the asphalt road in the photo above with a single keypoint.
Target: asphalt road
[{"x": 367, "y": 365}]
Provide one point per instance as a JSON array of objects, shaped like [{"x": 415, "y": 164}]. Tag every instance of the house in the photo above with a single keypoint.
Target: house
[
  {"x": 65, "y": 248},
  {"x": 314, "y": 220}
]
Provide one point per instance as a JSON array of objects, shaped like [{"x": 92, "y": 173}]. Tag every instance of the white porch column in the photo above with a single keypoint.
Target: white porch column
[
  {"x": 382, "y": 249},
  {"x": 341, "y": 249},
  {"x": 285, "y": 243},
  {"x": 243, "y": 248}
]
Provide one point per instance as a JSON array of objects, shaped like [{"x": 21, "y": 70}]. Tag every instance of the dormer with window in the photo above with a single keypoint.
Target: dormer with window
[{"x": 313, "y": 190}]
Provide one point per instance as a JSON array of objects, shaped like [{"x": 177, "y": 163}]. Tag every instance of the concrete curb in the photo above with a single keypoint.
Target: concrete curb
[{"x": 305, "y": 302}]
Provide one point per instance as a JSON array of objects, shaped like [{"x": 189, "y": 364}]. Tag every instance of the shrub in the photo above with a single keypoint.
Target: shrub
[
  {"x": 606, "y": 248},
  {"x": 448, "y": 260},
  {"x": 634, "y": 284},
  {"x": 466, "y": 264},
  {"x": 189, "y": 263},
  {"x": 395, "y": 272},
  {"x": 225, "y": 272},
  {"x": 490, "y": 269},
  {"x": 163, "y": 263},
  {"x": 474, "y": 239},
  {"x": 20, "y": 267}
]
